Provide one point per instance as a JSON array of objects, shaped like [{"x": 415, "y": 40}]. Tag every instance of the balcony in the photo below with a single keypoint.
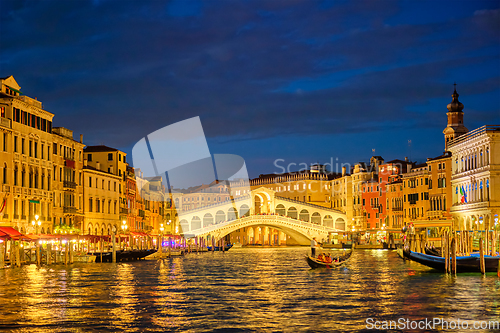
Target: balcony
[
  {"x": 6, "y": 188},
  {"x": 69, "y": 210},
  {"x": 69, "y": 184},
  {"x": 16, "y": 217},
  {"x": 23, "y": 217},
  {"x": 4, "y": 122},
  {"x": 123, "y": 210},
  {"x": 434, "y": 214}
]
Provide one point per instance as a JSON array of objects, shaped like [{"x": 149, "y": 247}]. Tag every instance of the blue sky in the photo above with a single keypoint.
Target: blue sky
[{"x": 299, "y": 80}]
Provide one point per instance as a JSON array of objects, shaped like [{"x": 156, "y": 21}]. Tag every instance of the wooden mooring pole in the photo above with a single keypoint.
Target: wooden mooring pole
[
  {"x": 2, "y": 258},
  {"x": 114, "y": 247},
  {"x": 38, "y": 254},
  {"x": 481, "y": 256},
  {"x": 454, "y": 255}
]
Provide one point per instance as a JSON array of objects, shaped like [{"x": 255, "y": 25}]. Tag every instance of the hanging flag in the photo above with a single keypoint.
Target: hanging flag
[{"x": 463, "y": 199}]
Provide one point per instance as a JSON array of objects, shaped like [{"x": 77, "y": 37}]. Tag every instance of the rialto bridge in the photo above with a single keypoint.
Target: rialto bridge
[{"x": 263, "y": 215}]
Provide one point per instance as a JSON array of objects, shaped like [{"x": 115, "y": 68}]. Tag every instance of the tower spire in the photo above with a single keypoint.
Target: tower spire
[{"x": 455, "y": 115}]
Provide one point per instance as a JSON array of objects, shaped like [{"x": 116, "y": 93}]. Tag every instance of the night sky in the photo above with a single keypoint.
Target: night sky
[{"x": 303, "y": 81}]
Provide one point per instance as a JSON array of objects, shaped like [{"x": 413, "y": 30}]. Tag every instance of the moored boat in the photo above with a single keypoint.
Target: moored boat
[
  {"x": 122, "y": 255},
  {"x": 219, "y": 248},
  {"x": 464, "y": 264},
  {"x": 432, "y": 251},
  {"x": 316, "y": 263}
]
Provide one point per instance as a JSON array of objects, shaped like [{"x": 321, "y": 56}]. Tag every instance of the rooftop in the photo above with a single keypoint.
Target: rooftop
[{"x": 96, "y": 149}]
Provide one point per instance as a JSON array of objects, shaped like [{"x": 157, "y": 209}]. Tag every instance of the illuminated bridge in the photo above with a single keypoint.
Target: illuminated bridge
[{"x": 263, "y": 208}]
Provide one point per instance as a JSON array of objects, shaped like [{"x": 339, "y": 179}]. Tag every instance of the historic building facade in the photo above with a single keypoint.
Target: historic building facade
[
  {"x": 100, "y": 201},
  {"x": 67, "y": 180},
  {"x": 475, "y": 179},
  {"x": 26, "y": 161}
]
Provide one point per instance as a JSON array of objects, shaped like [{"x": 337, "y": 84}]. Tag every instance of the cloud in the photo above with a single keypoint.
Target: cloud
[{"x": 262, "y": 69}]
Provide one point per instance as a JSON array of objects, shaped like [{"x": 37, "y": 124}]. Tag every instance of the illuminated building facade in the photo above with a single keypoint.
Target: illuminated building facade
[
  {"x": 67, "y": 181},
  {"x": 475, "y": 179},
  {"x": 26, "y": 161}
]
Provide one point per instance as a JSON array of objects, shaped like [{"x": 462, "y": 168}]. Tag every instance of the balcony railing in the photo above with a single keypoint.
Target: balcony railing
[
  {"x": 69, "y": 210},
  {"x": 69, "y": 184},
  {"x": 474, "y": 133},
  {"x": 5, "y": 122}
]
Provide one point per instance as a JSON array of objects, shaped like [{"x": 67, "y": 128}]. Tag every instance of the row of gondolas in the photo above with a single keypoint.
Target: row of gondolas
[
  {"x": 431, "y": 258},
  {"x": 468, "y": 263}
]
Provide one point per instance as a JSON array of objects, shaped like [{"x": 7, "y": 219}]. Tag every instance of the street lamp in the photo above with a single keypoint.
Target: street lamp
[
  {"x": 124, "y": 229},
  {"x": 36, "y": 223}
]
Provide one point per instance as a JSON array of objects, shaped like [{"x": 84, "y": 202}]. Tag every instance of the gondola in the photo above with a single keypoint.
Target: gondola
[
  {"x": 464, "y": 264},
  {"x": 432, "y": 251},
  {"x": 123, "y": 255},
  {"x": 315, "y": 263},
  {"x": 219, "y": 248}
]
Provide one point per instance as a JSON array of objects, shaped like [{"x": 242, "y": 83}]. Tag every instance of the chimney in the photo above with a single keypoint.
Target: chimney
[
  {"x": 98, "y": 165},
  {"x": 406, "y": 159},
  {"x": 343, "y": 171},
  {"x": 81, "y": 138}
]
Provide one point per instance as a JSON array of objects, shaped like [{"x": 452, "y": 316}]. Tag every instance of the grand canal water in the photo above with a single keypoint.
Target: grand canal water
[{"x": 257, "y": 289}]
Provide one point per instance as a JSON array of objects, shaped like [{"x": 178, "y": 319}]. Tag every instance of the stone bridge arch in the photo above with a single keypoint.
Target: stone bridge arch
[{"x": 300, "y": 231}]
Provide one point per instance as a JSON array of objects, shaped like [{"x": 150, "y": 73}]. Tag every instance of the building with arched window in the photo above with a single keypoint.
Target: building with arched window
[{"x": 475, "y": 179}]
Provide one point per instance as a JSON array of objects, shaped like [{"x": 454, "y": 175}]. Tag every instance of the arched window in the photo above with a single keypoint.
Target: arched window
[
  {"x": 16, "y": 171},
  {"x": 5, "y": 173}
]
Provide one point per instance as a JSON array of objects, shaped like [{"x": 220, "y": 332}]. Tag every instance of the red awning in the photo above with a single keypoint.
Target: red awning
[{"x": 9, "y": 232}]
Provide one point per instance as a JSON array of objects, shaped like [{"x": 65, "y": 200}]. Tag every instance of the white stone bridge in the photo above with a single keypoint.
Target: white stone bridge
[{"x": 262, "y": 208}]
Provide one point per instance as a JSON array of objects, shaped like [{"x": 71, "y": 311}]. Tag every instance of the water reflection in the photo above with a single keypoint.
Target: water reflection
[{"x": 247, "y": 289}]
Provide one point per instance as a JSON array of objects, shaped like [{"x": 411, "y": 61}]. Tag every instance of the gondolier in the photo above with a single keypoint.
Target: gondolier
[{"x": 314, "y": 245}]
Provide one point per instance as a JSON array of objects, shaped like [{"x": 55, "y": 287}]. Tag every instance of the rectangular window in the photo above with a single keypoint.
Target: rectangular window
[
  {"x": 89, "y": 157},
  {"x": 5, "y": 142},
  {"x": 15, "y": 144},
  {"x": 119, "y": 157},
  {"x": 110, "y": 157},
  {"x": 54, "y": 149},
  {"x": 36, "y": 150},
  {"x": 90, "y": 205},
  {"x": 30, "y": 148},
  {"x": 90, "y": 181}
]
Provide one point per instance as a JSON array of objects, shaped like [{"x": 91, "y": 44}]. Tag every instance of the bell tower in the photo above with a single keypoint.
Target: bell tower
[{"x": 455, "y": 115}]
